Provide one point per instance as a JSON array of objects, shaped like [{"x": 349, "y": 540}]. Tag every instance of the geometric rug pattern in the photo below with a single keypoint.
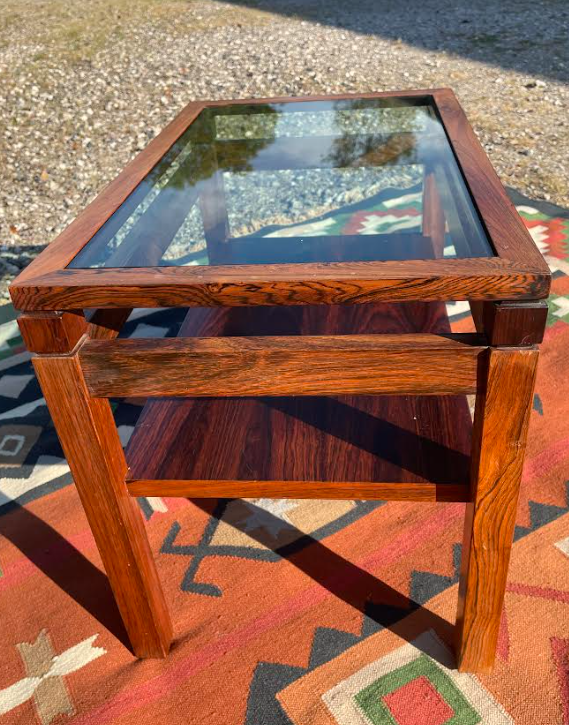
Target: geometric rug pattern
[
  {"x": 285, "y": 612},
  {"x": 416, "y": 682}
]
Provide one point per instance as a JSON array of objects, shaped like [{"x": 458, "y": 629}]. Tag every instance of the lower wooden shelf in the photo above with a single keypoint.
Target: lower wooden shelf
[{"x": 362, "y": 447}]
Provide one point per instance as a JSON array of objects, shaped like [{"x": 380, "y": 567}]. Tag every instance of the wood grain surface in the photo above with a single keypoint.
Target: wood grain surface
[
  {"x": 514, "y": 324},
  {"x": 268, "y": 365},
  {"x": 106, "y": 324},
  {"x": 90, "y": 441},
  {"x": 281, "y": 284},
  {"x": 341, "y": 439},
  {"x": 361, "y": 490},
  {"x": 52, "y": 332},
  {"x": 499, "y": 439}
]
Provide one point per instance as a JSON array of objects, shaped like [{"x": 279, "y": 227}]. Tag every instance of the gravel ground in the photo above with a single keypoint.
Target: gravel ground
[{"x": 84, "y": 86}]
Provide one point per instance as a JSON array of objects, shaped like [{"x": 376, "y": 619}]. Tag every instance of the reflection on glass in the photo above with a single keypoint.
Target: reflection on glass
[{"x": 313, "y": 181}]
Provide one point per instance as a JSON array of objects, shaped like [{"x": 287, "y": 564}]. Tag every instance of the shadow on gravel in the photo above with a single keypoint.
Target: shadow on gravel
[{"x": 527, "y": 36}]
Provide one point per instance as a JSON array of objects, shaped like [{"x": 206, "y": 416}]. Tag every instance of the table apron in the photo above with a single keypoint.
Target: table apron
[{"x": 421, "y": 364}]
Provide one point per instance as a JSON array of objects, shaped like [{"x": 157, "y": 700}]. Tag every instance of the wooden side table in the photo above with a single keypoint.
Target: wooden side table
[{"x": 314, "y": 242}]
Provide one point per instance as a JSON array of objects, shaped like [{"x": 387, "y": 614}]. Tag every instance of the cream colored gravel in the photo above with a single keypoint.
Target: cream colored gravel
[{"x": 84, "y": 86}]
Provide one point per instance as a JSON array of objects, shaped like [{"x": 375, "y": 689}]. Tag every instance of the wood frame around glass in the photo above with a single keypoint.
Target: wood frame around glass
[
  {"x": 516, "y": 272},
  {"x": 71, "y": 319}
]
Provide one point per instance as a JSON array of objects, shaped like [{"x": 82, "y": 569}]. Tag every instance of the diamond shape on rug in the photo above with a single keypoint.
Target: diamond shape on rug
[
  {"x": 16, "y": 442},
  {"x": 416, "y": 678},
  {"x": 422, "y": 691},
  {"x": 418, "y": 699}
]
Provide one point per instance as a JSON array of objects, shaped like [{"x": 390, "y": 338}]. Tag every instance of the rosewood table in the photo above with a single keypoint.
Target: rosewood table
[{"x": 314, "y": 243}]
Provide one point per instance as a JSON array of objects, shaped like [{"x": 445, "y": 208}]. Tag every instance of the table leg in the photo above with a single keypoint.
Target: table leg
[
  {"x": 90, "y": 441},
  {"x": 501, "y": 420}
]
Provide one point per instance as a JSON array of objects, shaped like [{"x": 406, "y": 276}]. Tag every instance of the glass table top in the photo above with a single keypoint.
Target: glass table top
[{"x": 311, "y": 181}]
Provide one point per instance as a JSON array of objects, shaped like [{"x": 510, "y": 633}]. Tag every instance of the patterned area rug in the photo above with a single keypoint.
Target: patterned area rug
[{"x": 285, "y": 612}]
